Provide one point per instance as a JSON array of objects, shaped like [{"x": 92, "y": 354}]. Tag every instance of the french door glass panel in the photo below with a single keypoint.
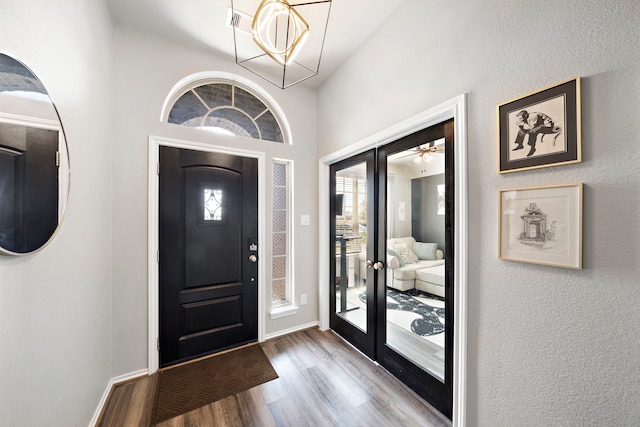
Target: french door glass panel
[
  {"x": 415, "y": 228},
  {"x": 351, "y": 245}
]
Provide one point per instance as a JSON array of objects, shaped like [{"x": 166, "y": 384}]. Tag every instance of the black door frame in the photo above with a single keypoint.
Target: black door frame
[
  {"x": 373, "y": 342},
  {"x": 153, "y": 357},
  {"x": 431, "y": 389},
  {"x": 455, "y": 108},
  {"x": 363, "y": 341}
]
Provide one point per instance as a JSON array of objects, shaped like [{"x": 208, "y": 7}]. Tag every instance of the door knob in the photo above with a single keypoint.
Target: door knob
[
  {"x": 378, "y": 265},
  {"x": 369, "y": 263},
  {"x": 253, "y": 258}
]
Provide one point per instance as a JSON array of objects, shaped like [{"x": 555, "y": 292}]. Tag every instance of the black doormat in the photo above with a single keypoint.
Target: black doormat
[{"x": 196, "y": 384}]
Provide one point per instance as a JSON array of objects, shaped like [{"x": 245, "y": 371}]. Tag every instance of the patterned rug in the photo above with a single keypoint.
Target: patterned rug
[
  {"x": 196, "y": 384},
  {"x": 431, "y": 320},
  {"x": 419, "y": 312}
]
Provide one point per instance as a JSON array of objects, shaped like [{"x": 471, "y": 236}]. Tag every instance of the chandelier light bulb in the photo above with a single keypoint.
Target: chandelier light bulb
[{"x": 279, "y": 30}]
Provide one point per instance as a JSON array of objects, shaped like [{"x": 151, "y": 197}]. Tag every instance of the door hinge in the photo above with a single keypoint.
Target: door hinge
[
  {"x": 57, "y": 159},
  {"x": 158, "y": 344},
  {"x": 158, "y": 256},
  {"x": 158, "y": 168}
]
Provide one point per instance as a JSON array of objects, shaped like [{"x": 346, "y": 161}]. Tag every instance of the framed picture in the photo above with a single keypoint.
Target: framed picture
[
  {"x": 541, "y": 129},
  {"x": 541, "y": 225},
  {"x": 440, "y": 191}
]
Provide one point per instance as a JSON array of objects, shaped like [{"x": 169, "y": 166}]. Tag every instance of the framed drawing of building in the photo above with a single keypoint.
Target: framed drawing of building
[{"x": 541, "y": 225}]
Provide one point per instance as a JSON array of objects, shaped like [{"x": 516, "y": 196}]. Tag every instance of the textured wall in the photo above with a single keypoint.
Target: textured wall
[
  {"x": 55, "y": 305},
  {"x": 547, "y": 346}
]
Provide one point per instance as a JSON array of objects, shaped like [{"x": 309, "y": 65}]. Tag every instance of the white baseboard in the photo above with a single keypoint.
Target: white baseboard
[
  {"x": 112, "y": 383},
  {"x": 290, "y": 330}
]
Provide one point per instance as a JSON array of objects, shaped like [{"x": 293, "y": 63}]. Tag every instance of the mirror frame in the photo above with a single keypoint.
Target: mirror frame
[{"x": 64, "y": 168}]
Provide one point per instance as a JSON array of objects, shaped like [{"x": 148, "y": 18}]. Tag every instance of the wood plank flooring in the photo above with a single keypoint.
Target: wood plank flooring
[{"x": 323, "y": 382}]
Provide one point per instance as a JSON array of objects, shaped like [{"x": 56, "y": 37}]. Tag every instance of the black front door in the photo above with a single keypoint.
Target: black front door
[{"x": 208, "y": 271}]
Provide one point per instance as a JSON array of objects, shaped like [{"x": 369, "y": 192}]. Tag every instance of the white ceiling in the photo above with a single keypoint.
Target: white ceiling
[{"x": 201, "y": 23}]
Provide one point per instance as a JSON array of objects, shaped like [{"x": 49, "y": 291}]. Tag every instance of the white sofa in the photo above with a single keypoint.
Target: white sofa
[{"x": 412, "y": 264}]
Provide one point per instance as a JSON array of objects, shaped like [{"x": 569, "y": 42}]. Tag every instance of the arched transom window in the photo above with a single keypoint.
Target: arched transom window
[{"x": 226, "y": 107}]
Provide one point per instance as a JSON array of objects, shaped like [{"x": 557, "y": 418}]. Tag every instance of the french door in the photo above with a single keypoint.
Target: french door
[
  {"x": 392, "y": 259},
  {"x": 352, "y": 204}
]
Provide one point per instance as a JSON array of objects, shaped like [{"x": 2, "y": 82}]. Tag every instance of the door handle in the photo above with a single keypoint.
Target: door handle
[
  {"x": 369, "y": 263},
  {"x": 253, "y": 258},
  {"x": 378, "y": 265}
]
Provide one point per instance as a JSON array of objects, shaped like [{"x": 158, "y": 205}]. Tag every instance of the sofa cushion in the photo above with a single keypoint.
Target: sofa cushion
[
  {"x": 394, "y": 253},
  {"x": 433, "y": 275},
  {"x": 423, "y": 263},
  {"x": 408, "y": 272},
  {"x": 425, "y": 250},
  {"x": 409, "y": 241},
  {"x": 406, "y": 254}
]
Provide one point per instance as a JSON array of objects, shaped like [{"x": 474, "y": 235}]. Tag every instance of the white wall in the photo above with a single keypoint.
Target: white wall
[
  {"x": 547, "y": 346},
  {"x": 55, "y": 305},
  {"x": 146, "y": 70},
  {"x": 399, "y": 192}
]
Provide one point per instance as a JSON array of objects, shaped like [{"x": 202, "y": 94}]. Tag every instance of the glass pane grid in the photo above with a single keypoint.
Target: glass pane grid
[
  {"x": 187, "y": 108},
  {"x": 227, "y": 107},
  {"x": 215, "y": 95},
  {"x": 279, "y": 244},
  {"x": 279, "y": 174},
  {"x": 280, "y": 198},
  {"x": 280, "y": 221},
  {"x": 279, "y": 290},
  {"x": 280, "y": 263},
  {"x": 245, "y": 101},
  {"x": 279, "y": 267}
]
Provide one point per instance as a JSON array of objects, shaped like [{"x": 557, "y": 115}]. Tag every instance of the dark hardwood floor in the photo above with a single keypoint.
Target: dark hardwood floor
[{"x": 322, "y": 382}]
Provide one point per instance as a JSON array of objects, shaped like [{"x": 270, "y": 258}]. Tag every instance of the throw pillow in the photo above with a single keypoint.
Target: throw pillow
[
  {"x": 392, "y": 251},
  {"x": 406, "y": 254},
  {"x": 425, "y": 250}
]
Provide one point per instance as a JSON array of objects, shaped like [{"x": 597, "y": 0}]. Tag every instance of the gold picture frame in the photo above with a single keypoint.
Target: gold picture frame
[
  {"x": 541, "y": 225},
  {"x": 540, "y": 130}
]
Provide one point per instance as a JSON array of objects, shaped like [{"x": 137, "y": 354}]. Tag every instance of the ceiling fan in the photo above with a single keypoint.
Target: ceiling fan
[{"x": 424, "y": 153}]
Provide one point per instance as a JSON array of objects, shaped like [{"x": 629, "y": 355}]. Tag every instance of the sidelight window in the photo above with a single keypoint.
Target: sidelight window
[{"x": 282, "y": 266}]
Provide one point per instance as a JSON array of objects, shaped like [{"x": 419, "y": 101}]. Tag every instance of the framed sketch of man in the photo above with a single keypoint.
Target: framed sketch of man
[{"x": 542, "y": 129}]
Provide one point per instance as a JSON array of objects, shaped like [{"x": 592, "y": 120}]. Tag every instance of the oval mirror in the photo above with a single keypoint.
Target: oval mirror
[{"x": 34, "y": 161}]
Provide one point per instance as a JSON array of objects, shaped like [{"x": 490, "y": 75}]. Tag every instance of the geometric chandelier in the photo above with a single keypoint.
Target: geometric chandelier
[{"x": 279, "y": 40}]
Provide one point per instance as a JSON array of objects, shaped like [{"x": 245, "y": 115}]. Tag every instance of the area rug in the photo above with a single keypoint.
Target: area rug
[
  {"x": 415, "y": 311},
  {"x": 196, "y": 384},
  {"x": 431, "y": 320}
]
